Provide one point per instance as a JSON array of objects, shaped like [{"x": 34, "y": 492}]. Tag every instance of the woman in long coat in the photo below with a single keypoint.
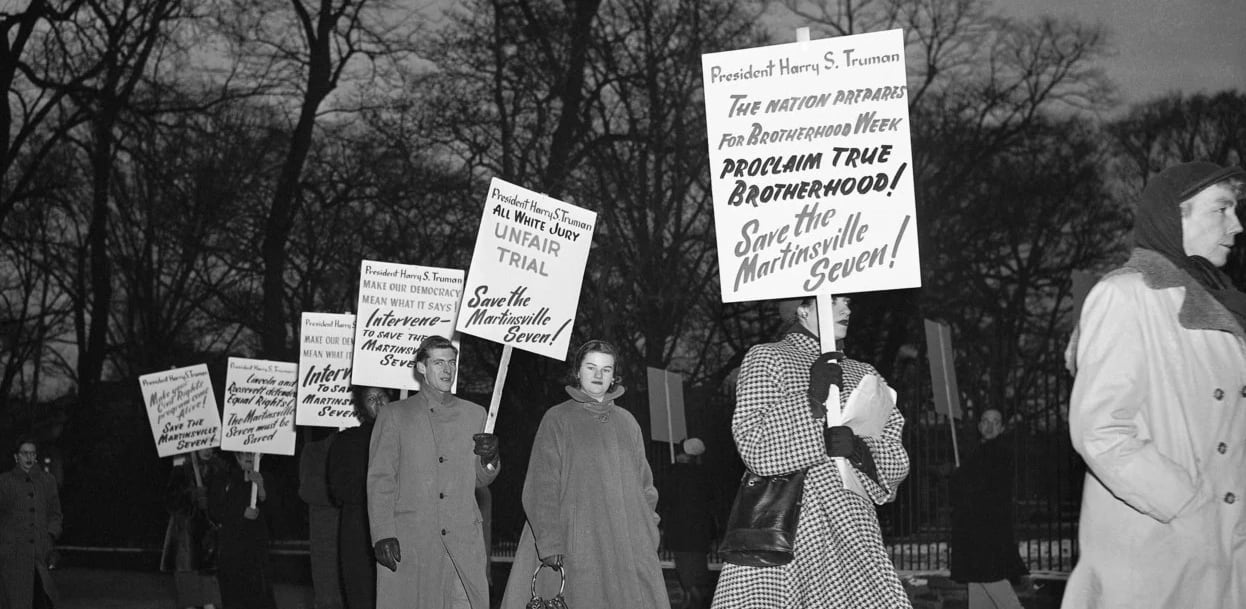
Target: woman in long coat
[
  {"x": 189, "y": 540},
  {"x": 840, "y": 558},
  {"x": 590, "y": 499},
  {"x": 242, "y": 563}
]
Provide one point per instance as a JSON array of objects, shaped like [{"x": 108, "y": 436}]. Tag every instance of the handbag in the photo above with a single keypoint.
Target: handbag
[
  {"x": 557, "y": 602},
  {"x": 761, "y": 529}
]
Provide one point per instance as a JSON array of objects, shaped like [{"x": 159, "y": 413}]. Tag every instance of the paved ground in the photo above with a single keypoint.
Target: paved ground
[{"x": 132, "y": 582}]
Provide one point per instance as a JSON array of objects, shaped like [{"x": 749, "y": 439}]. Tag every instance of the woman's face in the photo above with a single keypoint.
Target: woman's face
[
  {"x": 842, "y": 313},
  {"x": 596, "y": 374}
]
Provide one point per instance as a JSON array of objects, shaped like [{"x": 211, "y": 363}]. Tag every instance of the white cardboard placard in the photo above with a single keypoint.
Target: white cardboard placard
[
  {"x": 523, "y": 286},
  {"x": 182, "y": 409},
  {"x": 811, "y": 167},
  {"x": 399, "y": 306},
  {"x": 259, "y": 406},
  {"x": 326, "y": 342}
]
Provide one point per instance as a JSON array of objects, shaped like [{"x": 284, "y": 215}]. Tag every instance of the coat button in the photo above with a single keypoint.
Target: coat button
[
  {"x": 1220, "y": 448},
  {"x": 441, "y": 459},
  {"x": 443, "y": 531},
  {"x": 441, "y": 495},
  {"x": 1218, "y": 394},
  {"x": 1244, "y": 391},
  {"x": 1230, "y": 497}
]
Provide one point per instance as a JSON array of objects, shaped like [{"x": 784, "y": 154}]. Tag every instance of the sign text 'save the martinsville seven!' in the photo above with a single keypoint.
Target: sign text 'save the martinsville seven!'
[{"x": 811, "y": 167}]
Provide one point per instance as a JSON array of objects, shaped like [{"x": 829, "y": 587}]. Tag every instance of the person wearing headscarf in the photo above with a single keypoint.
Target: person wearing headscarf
[
  {"x": 780, "y": 427},
  {"x": 590, "y": 499},
  {"x": 1158, "y": 409}
]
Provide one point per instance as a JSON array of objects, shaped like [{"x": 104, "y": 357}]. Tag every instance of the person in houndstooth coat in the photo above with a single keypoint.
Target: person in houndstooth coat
[{"x": 840, "y": 559}]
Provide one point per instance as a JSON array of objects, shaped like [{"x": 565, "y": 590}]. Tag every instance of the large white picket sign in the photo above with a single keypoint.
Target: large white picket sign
[
  {"x": 811, "y": 167},
  {"x": 325, "y": 344},
  {"x": 523, "y": 286},
  {"x": 182, "y": 409},
  {"x": 259, "y": 406},
  {"x": 399, "y": 306}
]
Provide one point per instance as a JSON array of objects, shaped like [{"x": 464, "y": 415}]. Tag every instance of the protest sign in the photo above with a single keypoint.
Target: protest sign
[
  {"x": 399, "y": 306},
  {"x": 259, "y": 406},
  {"x": 667, "y": 421},
  {"x": 942, "y": 368},
  {"x": 182, "y": 409},
  {"x": 325, "y": 345},
  {"x": 523, "y": 286},
  {"x": 811, "y": 167}
]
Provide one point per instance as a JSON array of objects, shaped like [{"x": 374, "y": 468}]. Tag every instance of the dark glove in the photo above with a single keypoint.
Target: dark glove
[
  {"x": 553, "y": 561},
  {"x": 388, "y": 553},
  {"x": 862, "y": 458},
  {"x": 823, "y": 373},
  {"x": 839, "y": 441},
  {"x": 486, "y": 447}
]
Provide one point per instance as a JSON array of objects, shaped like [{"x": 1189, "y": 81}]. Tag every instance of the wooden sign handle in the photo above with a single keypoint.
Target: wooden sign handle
[{"x": 496, "y": 401}]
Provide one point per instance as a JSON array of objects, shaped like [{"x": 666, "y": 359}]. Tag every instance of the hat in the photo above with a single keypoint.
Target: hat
[
  {"x": 694, "y": 447},
  {"x": 1180, "y": 182}
]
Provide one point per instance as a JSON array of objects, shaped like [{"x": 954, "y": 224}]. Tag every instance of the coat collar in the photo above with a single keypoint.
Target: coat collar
[
  {"x": 1199, "y": 310},
  {"x": 580, "y": 396}
]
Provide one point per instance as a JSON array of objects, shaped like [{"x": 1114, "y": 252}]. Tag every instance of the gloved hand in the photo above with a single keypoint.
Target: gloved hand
[
  {"x": 388, "y": 553},
  {"x": 840, "y": 441},
  {"x": 824, "y": 372},
  {"x": 486, "y": 447},
  {"x": 553, "y": 560},
  {"x": 862, "y": 458}
]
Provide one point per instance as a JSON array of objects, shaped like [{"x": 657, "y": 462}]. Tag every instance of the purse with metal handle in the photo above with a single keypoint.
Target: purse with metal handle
[{"x": 554, "y": 603}]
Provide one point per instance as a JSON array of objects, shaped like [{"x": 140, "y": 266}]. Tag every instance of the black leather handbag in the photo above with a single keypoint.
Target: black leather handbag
[
  {"x": 557, "y": 602},
  {"x": 761, "y": 529}
]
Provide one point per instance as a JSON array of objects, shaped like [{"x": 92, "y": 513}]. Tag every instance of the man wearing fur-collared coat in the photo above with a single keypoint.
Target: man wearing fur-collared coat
[
  {"x": 840, "y": 560},
  {"x": 1158, "y": 409}
]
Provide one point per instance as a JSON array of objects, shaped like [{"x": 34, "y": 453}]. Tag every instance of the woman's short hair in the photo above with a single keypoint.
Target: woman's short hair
[{"x": 595, "y": 345}]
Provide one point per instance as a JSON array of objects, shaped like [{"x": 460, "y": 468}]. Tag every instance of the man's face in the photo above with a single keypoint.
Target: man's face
[
  {"x": 26, "y": 456},
  {"x": 1210, "y": 226},
  {"x": 374, "y": 398},
  {"x": 439, "y": 369},
  {"x": 991, "y": 424}
]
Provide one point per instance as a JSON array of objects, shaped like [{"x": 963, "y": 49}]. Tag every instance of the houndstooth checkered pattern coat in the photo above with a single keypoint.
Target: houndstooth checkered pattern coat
[{"x": 840, "y": 558}]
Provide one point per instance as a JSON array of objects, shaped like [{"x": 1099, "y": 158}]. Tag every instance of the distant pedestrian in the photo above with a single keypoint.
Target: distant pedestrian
[
  {"x": 1158, "y": 409},
  {"x": 984, "y": 548},
  {"x": 30, "y": 522},
  {"x": 686, "y": 504},
  {"x": 589, "y": 497},
  {"x": 190, "y": 539}
]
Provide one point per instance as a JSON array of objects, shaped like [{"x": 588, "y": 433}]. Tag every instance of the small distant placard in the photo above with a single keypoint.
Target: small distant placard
[
  {"x": 399, "y": 306},
  {"x": 259, "y": 406},
  {"x": 325, "y": 345},
  {"x": 182, "y": 409},
  {"x": 667, "y": 421},
  {"x": 524, "y": 284}
]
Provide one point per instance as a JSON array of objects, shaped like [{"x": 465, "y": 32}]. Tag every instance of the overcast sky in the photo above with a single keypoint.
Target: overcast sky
[{"x": 1161, "y": 45}]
